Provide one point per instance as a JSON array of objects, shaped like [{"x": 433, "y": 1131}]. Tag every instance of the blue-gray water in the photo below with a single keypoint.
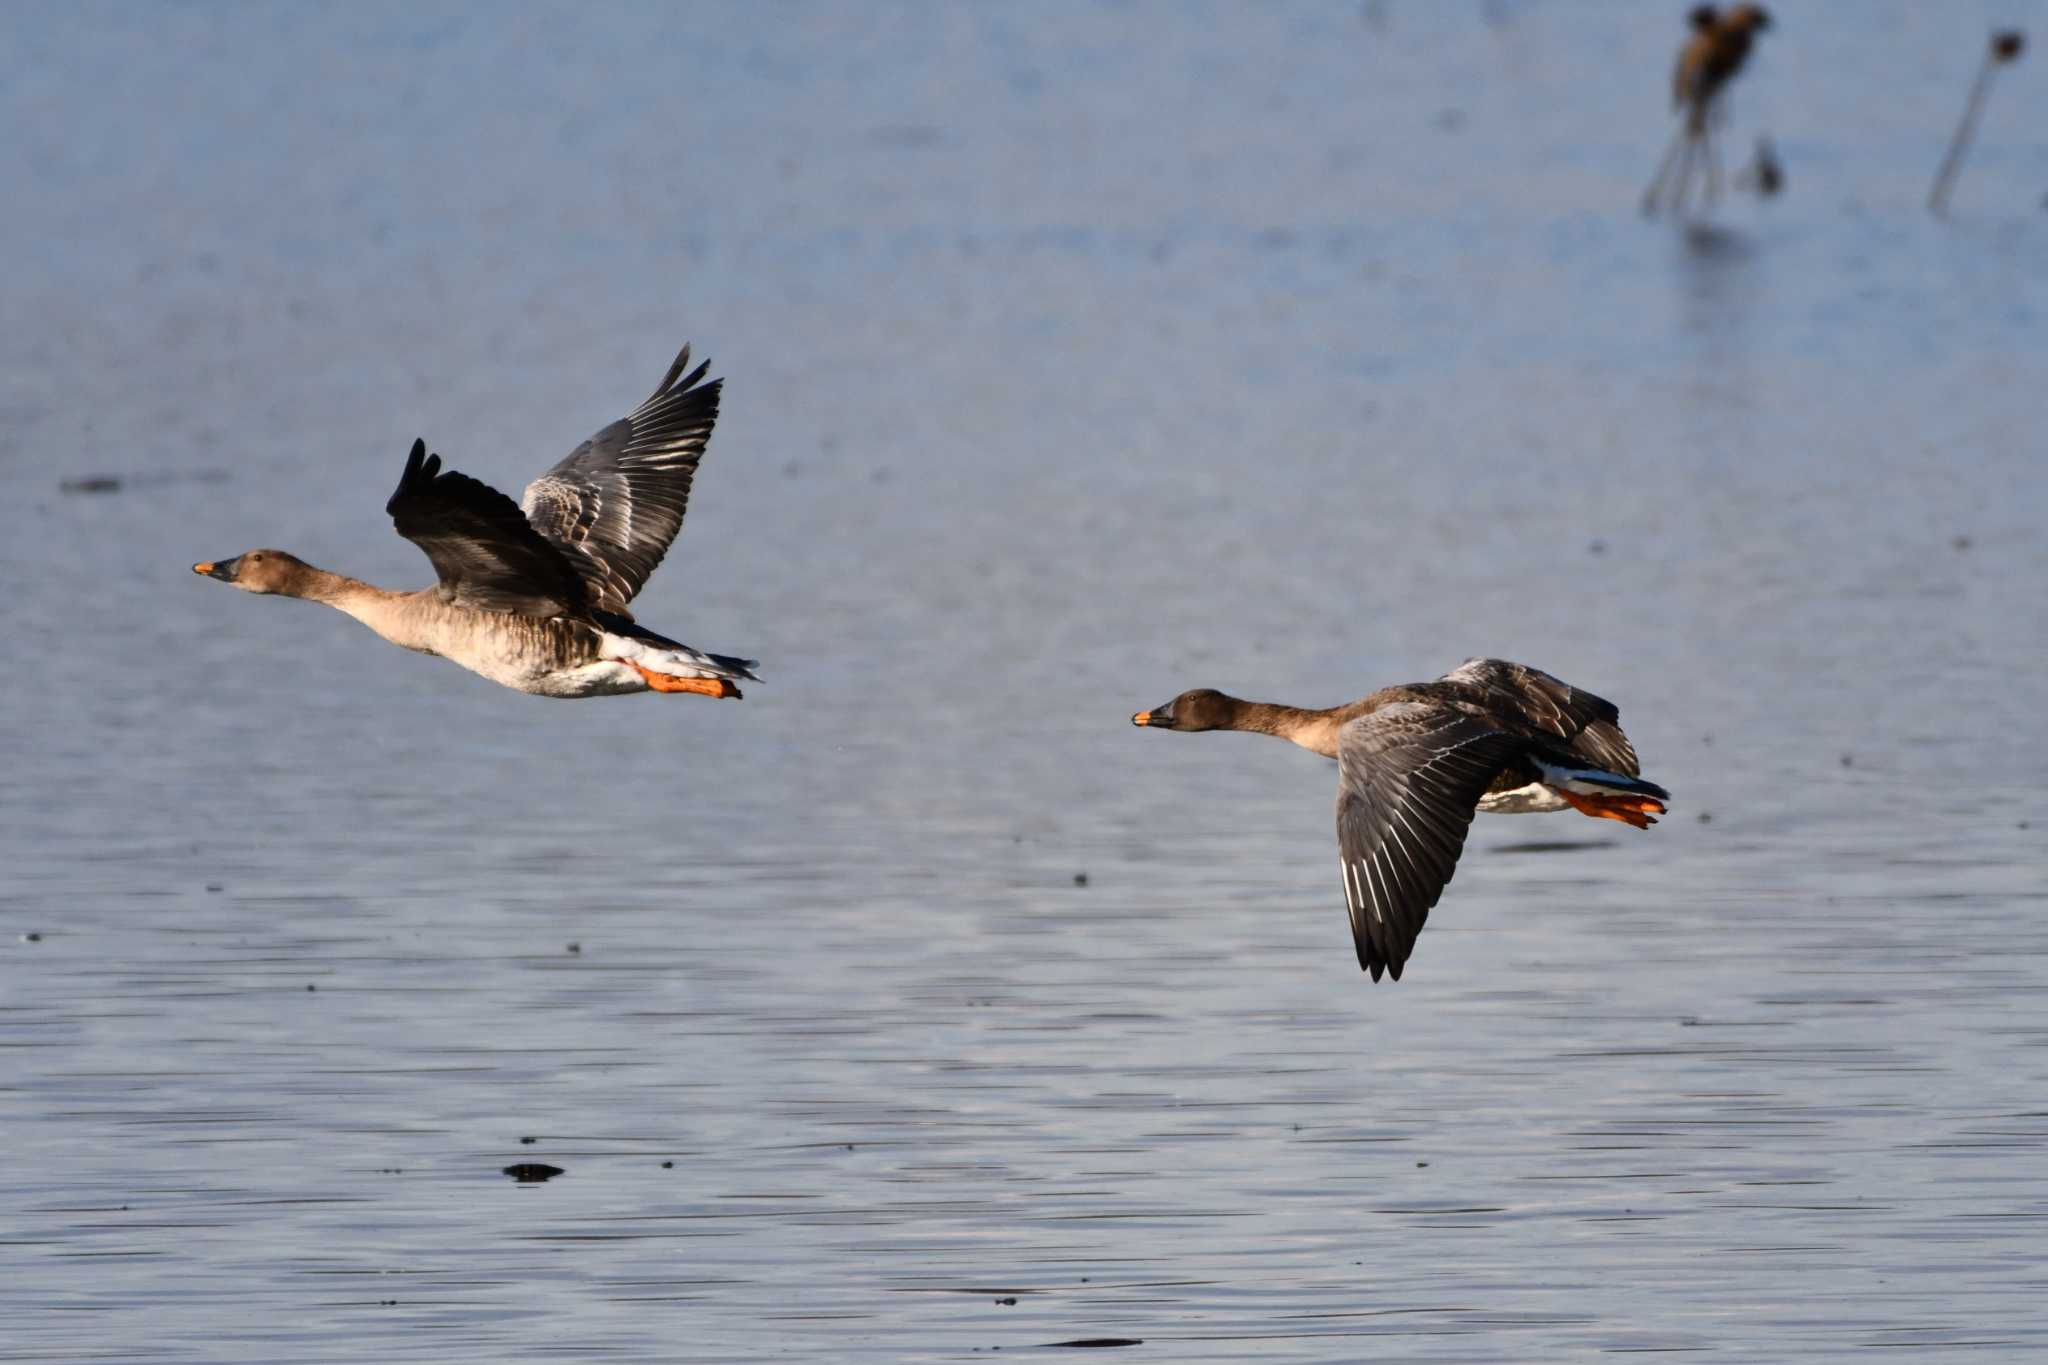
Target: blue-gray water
[{"x": 1076, "y": 355}]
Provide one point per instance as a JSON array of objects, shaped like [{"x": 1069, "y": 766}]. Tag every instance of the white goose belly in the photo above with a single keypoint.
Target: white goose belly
[
  {"x": 538, "y": 657},
  {"x": 1530, "y": 800}
]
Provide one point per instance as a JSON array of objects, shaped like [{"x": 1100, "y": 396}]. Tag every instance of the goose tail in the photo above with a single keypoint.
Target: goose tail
[{"x": 1606, "y": 795}]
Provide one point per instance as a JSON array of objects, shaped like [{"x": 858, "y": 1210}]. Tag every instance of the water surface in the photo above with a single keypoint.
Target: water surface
[{"x": 1076, "y": 356}]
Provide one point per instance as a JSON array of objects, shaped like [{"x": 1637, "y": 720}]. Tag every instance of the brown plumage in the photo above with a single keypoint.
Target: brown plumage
[
  {"x": 535, "y": 597},
  {"x": 1711, "y": 58},
  {"x": 1415, "y": 762}
]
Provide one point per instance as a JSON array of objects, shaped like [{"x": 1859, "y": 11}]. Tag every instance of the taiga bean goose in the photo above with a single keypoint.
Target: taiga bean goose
[
  {"x": 1413, "y": 764},
  {"x": 533, "y": 594}
]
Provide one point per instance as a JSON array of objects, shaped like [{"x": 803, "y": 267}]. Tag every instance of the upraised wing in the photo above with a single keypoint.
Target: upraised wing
[
  {"x": 1588, "y": 725},
  {"x": 615, "y": 504},
  {"x": 487, "y": 555},
  {"x": 1409, "y": 776}
]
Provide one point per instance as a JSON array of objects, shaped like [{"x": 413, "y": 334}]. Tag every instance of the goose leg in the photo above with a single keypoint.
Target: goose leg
[{"x": 668, "y": 682}]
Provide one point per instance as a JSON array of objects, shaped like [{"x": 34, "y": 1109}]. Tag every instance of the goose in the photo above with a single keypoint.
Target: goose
[
  {"x": 533, "y": 595},
  {"x": 1711, "y": 58},
  {"x": 1416, "y": 760}
]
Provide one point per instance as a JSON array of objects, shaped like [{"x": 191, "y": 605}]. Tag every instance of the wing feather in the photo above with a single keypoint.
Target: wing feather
[
  {"x": 614, "y": 505},
  {"x": 483, "y": 549},
  {"x": 1590, "y": 726},
  {"x": 1409, "y": 775}
]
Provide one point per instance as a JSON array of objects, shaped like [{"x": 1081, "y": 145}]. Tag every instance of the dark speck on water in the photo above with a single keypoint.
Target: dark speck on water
[
  {"x": 532, "y": 1172},
  {"x": 1083, "y": 1343},
  {"x": 97, "y": 483}
]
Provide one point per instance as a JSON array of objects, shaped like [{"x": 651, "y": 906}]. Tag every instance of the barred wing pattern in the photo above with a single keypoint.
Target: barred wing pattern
[
  {"x": 615, "y": 504},
  {"x": 1589, "y": 725},
  {"x": 486, "y": 553},
  {"x": 1409, "y": 776}
]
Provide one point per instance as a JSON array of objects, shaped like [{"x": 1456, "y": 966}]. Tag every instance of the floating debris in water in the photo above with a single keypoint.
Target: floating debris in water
[
  {"x": 1080, "y": 879},
  {"x": 533, "y": 1172},
  {"x": 114, "y": 483},
  {"x": 1083, "y": 1343},
  {"x": 215, "y": 887},
  {"x": 575, "y": 947},
  {"x": 528, "y": 1141},
  {"x": 1961, "y": 543},
  {"x": 31, "y": 937}
]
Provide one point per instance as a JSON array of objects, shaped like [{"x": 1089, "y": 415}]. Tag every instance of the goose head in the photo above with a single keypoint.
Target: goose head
[{"x": 264, "y": 571}]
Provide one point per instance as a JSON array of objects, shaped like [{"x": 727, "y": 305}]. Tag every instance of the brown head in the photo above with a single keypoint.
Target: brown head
[
  {"x": 1202, "y": 709},
  {"x": 264, "y": 571}
]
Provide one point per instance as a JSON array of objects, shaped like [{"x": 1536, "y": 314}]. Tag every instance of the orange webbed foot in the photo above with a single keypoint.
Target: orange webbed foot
[
  {"x": 1630, "y": 810},
  {"x": 668, "y": 682}
]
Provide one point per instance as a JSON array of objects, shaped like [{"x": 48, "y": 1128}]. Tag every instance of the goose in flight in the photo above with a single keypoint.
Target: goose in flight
[
  {"x": 534, "y": 594},
  {"x": 1415, "y": 761}
]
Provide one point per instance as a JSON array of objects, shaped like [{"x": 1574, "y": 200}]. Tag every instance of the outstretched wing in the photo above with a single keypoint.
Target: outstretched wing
[
  {"x": 1589, "y": 725},
  {"x": 615, "y": 504},
  {"x": 1409, "y": 776},
  {"x": 485, "y": 552}
]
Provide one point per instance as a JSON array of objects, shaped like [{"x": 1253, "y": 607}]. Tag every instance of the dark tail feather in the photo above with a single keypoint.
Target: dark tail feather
[
  {"x": 743, "y": 668},
  {"x": 1634, "y": 785}
]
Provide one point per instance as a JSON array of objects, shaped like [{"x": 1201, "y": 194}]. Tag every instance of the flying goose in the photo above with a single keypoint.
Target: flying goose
[
  {"x": 1415, "y": 761},
  {"x": 533, "y": 594}
]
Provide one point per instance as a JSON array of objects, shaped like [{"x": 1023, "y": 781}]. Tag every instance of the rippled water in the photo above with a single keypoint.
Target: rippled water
[{"x": 918, "y": 1006}]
